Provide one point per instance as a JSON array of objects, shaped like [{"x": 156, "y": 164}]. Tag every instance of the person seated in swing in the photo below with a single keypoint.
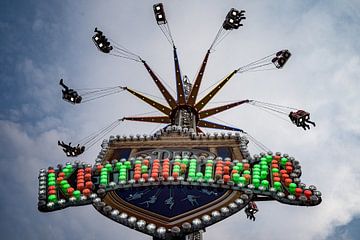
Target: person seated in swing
[
  {"x": 79, "y": 150},
  {"x": 104, "y": 45},
  {"x": 101, "y": 41},
  {"x": 250, "y": 210},
  {"x": 300, "y": 118},
  {"x": 66, "y": 147},
  {"x": 98, "y": 32},
  {"x": 69, "y": 94},
  {"x": 70, "y": 150}
]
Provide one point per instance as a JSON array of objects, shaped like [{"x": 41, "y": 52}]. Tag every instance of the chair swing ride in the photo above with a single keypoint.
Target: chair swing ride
[{"x": 176, "y": 182}]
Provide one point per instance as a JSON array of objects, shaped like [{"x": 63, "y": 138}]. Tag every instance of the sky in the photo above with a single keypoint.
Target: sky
[{"x": 43, "y": 41}]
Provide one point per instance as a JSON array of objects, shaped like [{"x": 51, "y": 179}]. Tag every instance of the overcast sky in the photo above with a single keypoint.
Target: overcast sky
[{"x": 44, "y": 41}]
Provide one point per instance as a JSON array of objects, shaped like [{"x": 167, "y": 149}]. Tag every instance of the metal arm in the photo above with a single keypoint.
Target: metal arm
[
  {"x": 153, "y": 119},
  {"x": 216, "y": 110},
  {"x": 196, "y": 86},
  {"x": 151, "y": 102},
  {"x": 179, "y": 83},
  {"x": 201, "y": 104},
  {"x": 169, "y": 99},
  {"x": 207, "y": 124}
]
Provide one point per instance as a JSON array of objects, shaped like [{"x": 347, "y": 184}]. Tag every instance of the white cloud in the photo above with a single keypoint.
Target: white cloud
[{"x": 322, "y": 76}]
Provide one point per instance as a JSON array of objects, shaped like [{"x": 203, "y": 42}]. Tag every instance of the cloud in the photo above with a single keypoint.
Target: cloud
[
  {"x": 349, "y": 231},
  {"x": 322, "y": 76},
  {"x": 18, "y": 204}
]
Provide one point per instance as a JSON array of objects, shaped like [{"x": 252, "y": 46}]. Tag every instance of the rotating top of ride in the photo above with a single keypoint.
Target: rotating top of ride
[
  {"x": 184, "y": 109},
  {"x": 179, "y": 180}
]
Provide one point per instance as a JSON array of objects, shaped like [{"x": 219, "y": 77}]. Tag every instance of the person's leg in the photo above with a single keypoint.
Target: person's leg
[
  {"x": 63, "y": 85},
  {"x": 313, "y": 123}
]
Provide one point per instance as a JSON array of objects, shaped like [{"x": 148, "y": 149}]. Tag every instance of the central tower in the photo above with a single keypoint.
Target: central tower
[{"x": 185, "y": 116}]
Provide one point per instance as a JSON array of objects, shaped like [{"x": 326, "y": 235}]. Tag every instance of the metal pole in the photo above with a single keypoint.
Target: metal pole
[
  {"x": 174, "y": 238},
  {"x": 193, "y": 236}
]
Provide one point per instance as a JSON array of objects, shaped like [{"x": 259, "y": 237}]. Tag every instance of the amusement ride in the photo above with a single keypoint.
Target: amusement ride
[{"x": 180, "y": 180}]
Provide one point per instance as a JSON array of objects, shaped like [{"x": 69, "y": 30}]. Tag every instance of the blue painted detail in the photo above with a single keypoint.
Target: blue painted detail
[
  {"x": 224, "y": 152},
  {"x": 122, "y": 153},
  {"x": 170, "y": 201}
]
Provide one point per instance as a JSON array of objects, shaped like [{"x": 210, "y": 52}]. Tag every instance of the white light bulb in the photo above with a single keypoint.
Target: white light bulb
[{"x": 160, "y": 16}]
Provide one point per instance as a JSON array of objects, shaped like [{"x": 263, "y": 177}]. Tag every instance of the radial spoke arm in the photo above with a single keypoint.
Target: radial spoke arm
[
  {"x": 198, "y": 130},
  {"x": 207, "y": 124},
  {"x": 169, "y": 99},
  {"x": 154, "y": 119},
  {"x": 197, "y": 83},
  {"x": 216, "y": 110},
  {"x": 179, "y": 82},
  {"x": 201, "y": 104},
  {"x": 151, "y": 102}
]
